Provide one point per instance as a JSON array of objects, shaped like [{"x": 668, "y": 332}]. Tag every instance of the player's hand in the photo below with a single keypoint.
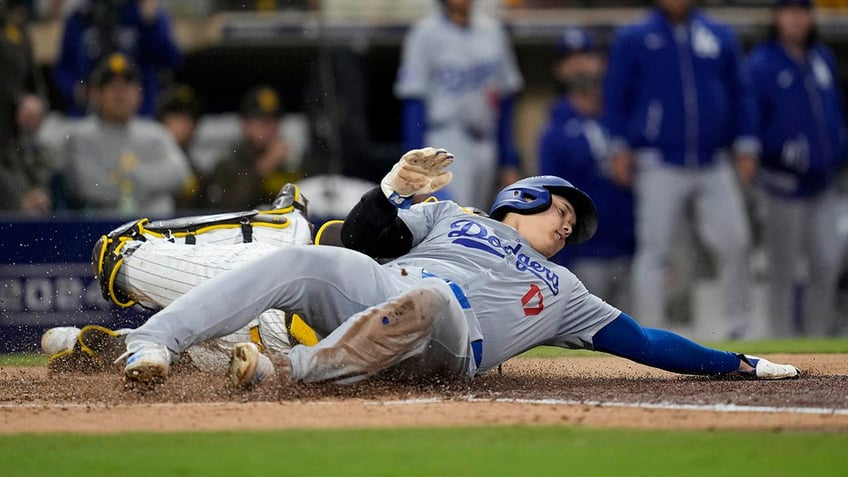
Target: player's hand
[
  {"x": 272, "y": 159},
  {"x": 419, "y": 171},
  {"x": 29, "y": 114},
  {"x": 622, "y": 168},
  {"x": 746, "y": 168}
]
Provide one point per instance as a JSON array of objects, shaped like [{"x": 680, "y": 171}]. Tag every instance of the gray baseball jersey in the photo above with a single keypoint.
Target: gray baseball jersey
[
  {"x": 461, "y": 74},
  {"x": 138, "y": 163},
  {"x": 521, "y": 300}
]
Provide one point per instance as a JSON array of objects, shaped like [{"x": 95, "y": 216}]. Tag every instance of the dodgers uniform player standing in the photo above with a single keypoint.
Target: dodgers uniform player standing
[
  {"x": 457, "y": 80},
  {"x": 464, "y": 293},
  {"x": 802, "y": 127},
  {"x": 677, "y": 102}
]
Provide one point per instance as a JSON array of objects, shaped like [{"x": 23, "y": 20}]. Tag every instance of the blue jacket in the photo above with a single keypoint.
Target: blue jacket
[
  {"x": 151, "y": 46},
  {"x": 574, "y": 148},
  {"x": 683, "y": 90},
  {"x": 802, "y": 124}
]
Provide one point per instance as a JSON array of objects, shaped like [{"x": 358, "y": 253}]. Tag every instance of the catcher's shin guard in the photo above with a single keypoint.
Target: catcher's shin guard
[{"x": 107, "y": 256}]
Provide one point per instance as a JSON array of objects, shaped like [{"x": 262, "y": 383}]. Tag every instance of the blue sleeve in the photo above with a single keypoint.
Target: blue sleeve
[
  {"x": 414, "y": 123},
  {"x": 618, "y": 88},
  {"x": 507, "y": 154},
  {"x": 842, "y": 155},
  {"x": 549, "y": 147},
  {"x": 67, "y": 71},
  {"x": 757, "y": 66},
  {"x": 742, "y": 96},
  {"x": 156, "y": 44},
  {"x": 565, "y": 157}
]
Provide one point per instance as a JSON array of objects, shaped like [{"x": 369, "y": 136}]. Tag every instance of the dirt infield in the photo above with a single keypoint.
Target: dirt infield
[{"x": 592, "y": 392}]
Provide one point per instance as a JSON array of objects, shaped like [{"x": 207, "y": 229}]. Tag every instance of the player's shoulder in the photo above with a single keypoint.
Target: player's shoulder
[
  {"x": 765, "y": 58},
  {"x": 433, "y": 204},
  {"x": 719, "y": 28},
  {"x": 825, "y": 52},
  {"x": 149, "y": 128},
  {"x": 763, "y": 53},
  {"x": 481, "y": 21},
  {"x": 430, "y": 24}
]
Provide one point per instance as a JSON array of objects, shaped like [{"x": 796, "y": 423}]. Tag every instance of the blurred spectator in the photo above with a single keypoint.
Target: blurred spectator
[
  {"x": 677, "y": 101},
  {"x": 575, "y": 146},
  {"x": 803, "y": 134},
  {"x": 140, "y": 29},
  {"x": 457, "y": 80},
  {"x": 179, "y": 110},
  {"x": 116, "y": 161},
  {"x": 256, "y": 169},
  {"x": 25, "y": 167}
]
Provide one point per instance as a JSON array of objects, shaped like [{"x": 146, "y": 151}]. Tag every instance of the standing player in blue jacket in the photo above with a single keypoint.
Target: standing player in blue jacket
[
  {"x": 139, "y": 29},
  {"x": 457, "y": 80},
  {"x": 575, "y": 145},
  {"x": 678, "y": 106},
  {"x": 803, "y": 136}
]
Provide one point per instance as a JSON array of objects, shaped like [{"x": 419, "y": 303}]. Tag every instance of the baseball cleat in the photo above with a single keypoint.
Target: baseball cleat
[
  {"x": 248, "y": 366},
  {"x": 149, "y": 365},
  {"x": 765, "y": 369}
]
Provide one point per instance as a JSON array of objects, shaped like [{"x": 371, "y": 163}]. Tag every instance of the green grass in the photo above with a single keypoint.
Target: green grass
[
  {"x": 491, "y": 451},
  {"x": 23, "y": 360}
]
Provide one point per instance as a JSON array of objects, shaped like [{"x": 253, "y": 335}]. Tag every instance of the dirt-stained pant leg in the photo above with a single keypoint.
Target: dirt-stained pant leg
[
  {"x": 425, "y": 322},
  {"x": 327, "y": 284}
]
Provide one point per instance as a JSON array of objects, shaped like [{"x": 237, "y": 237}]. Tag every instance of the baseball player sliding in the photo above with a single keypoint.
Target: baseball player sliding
[{"x": 463, "y": 293}]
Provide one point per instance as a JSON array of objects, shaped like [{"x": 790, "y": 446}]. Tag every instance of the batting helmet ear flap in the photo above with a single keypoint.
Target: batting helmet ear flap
[{"x": 533, "y": 195}]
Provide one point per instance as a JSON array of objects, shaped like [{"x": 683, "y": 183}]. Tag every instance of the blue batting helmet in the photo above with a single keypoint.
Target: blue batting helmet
[{"x": 533, "y": 195}]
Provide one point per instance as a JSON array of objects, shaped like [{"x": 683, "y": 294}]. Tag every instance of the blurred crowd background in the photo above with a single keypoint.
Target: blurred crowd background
[{"x": 717, "y": 170}]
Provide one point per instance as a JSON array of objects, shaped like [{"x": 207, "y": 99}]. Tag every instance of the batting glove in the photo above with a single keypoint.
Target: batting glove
[{"x": 419, "y": 171}]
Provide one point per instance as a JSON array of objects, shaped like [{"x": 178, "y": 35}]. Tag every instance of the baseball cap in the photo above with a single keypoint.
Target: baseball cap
[
  {"x": 179, "y": 99},
  {"x": 790, "y": 3},
  {"x": 113, "y": 66},
  {"x": 261, "y": 101},
  {"x": 573, "y": 40}
]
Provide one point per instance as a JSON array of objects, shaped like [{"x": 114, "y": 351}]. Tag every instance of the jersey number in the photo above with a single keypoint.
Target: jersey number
[{"x": 532, "y": 301}]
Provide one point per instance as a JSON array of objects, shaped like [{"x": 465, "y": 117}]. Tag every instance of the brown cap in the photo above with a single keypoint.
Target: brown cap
[
  {"x": 113, "y": 66},
  {"x": 261, "y": 101}
]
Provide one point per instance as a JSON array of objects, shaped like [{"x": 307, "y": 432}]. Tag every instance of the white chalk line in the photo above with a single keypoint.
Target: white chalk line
[{"x": 668, "y": 406}]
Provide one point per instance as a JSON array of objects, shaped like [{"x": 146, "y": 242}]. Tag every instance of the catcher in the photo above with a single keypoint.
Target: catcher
[
  {"x": 462, "y": 294},
  {"x": 153, "y": 263}
]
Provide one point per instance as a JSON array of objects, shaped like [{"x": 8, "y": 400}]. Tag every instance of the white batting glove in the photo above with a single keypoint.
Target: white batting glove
[{"x": 419, "y": 171}]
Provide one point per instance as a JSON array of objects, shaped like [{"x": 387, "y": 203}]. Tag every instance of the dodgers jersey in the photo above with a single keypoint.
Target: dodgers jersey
[{"x": 520, "y": 298}]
